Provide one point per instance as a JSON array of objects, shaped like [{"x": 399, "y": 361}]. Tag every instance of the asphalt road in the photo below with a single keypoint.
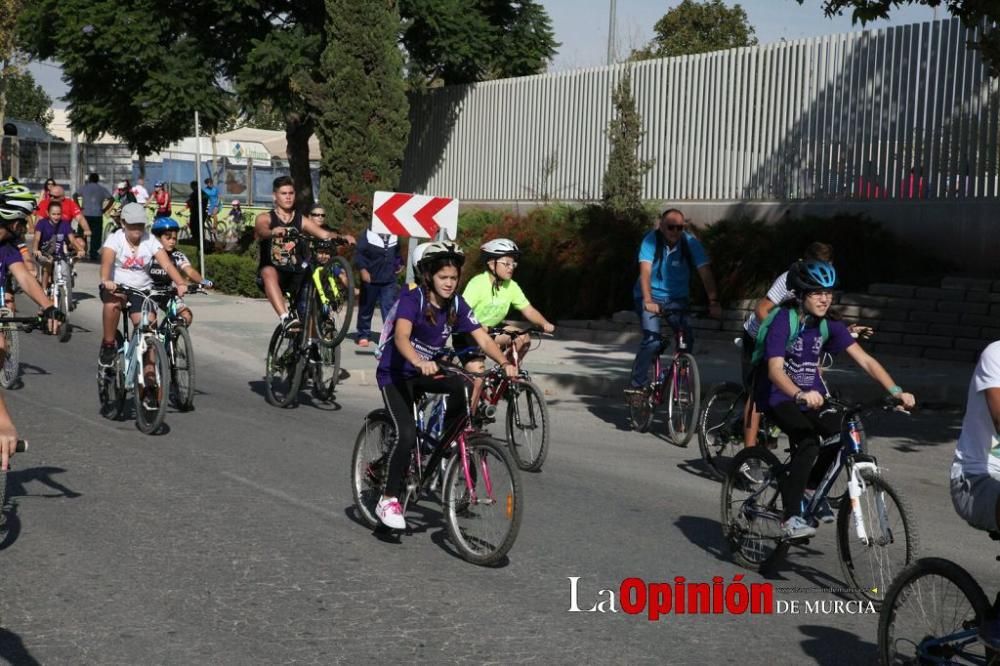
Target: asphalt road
[{"x": 230, "y": 539}]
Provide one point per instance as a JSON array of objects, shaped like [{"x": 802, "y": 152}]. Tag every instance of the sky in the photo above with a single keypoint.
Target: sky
[{"x": 581, "y": 26}]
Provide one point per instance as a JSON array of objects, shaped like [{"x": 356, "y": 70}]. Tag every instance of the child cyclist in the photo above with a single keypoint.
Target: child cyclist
[
  {"x": 791, "y": 391},
  {"x": 166, "y": 230},
  {"x": 54, "y": 237},
  {"x": 424, "y": 319}
]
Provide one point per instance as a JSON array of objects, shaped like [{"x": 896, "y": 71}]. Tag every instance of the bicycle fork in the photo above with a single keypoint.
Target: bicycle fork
[{"x": 855, "y": 487}]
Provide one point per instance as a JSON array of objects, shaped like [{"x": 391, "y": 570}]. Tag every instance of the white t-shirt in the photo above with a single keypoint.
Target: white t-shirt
[
  {"x": 777, "y": 294},
  {"x": 132, "y": 265},
  {"x": 978, "y": 450},
  {"x": 141, "y": 195}
]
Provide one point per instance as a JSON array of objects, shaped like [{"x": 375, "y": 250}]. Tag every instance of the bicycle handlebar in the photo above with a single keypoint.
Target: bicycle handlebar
[
  {"x": 28, "y": 324},
  {"x": 495, "y": 331},
  {"x": 21, "y": 446},
  {"x": 884, "y": 402}
]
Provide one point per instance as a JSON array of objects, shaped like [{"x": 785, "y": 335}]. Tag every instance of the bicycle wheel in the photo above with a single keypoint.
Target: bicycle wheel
[
  {"x": 641, "y": 406},
  {"x": 370, "y": 464},
  {"x": 483, "y": 523},
  {"x": 527, "y": 425},
  {"x": 182, "y": 375},
  {"x": 152, "y": 393},
  {"x": 10, "y": 372},
  {"x": 62, "y": 304},
  {"x": 111, "y": 385},
  {"x": 890, "y": 542},
  {"x": 720, "y": 427},
  {"x": 931, "y": 615},
  {"x": 333, "y": 329},
  {"x": 326, "y": 371},
  {"x": 283, "y": 373},
  {"x": 683, "y": 400},
  {"x": 752, "y": 510}
]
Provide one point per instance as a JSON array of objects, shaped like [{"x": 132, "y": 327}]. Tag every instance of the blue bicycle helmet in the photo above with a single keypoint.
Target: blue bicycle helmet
[
  {"x": 808, "y": 276},
  {"x": 162, "y": 225}
]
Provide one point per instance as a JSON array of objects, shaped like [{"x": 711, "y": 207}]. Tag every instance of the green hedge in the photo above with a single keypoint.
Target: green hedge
[{"x": 233, "y": 274}]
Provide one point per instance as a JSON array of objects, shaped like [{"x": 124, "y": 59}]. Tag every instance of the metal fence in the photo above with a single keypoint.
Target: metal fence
[{"x": 900, "y": 113}]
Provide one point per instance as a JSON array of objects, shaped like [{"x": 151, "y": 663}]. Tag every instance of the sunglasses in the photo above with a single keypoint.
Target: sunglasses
[
  {"x": 317, "y": 214},
  {"x": 675, "y": 227}
]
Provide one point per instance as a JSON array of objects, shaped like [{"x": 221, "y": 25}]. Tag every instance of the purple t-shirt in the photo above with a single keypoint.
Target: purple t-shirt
[
  {"x": 9, "y": 254},
  {"x": 802, "y": 359},
  {"x": 427, "y": 338},
  {"x": 47, "y": 230}
]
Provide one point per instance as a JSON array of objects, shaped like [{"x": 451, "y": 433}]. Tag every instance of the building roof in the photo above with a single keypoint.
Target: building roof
[{"x": 27, "y": 129}]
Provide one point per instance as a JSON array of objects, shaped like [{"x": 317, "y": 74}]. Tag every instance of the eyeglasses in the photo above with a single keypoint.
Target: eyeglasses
[
  {"x": 507, "y": 264},
  {"x": 675, "y": 227},
  {"x": 317, "y": 214},
  {"x": 822, "y": 293}
]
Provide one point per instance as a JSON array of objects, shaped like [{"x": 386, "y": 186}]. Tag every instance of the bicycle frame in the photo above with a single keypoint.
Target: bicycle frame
[{"x": 133, "y": 348}]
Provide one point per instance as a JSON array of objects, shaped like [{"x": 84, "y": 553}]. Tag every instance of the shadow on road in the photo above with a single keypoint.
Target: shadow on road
[
  {"x": 833, "y": 646},
  {"x": 10, "y": 523},
  {"x": 304, "y": 398},
  {"x": 12, "y": 650}
]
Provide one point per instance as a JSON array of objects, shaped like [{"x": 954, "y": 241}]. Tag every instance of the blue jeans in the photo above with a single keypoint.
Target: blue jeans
[
  {"x": 652, "y": 344},
  {"x": 382, "y": 295}
]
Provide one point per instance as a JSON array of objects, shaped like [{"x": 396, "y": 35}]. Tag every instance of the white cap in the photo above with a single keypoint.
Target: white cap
[{"x": 133, "y": 213}]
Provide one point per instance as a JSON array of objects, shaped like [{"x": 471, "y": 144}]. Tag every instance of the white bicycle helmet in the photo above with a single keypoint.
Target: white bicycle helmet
[
  {"x": 500, "y": 247},
  {"x": 441, "y": 250},
  {"x": 16, "y": 202},
  {"x": 418, "y": 254}
]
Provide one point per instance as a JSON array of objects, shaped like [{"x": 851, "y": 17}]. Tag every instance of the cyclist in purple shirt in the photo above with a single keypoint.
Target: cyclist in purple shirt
[
  {"x": 793, "y": 393},
  {"x": 425, "y": 318},
  {"x": 50, "y": 240}
]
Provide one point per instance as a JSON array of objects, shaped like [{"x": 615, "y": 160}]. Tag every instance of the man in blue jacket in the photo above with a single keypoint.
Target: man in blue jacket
[{"x": 378, "y": 261}]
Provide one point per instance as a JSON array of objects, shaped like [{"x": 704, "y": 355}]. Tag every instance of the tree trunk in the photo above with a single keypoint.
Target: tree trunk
[
  {"x": 142, "y": 166},
  {"x": 298, "y": 129}
]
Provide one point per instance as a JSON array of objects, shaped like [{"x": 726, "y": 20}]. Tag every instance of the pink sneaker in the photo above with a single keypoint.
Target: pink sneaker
[
  {"x": 362, "y": 342},
  {"x": 390, "y": 513}
]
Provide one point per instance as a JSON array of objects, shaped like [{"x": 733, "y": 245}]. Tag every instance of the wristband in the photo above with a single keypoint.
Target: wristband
[
  {"x": 895, "y": 390},
  {"x": 798, "y": 396}
]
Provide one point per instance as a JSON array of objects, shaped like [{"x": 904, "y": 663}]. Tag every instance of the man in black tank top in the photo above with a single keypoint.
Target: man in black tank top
[{"x": 283, "y": 263}]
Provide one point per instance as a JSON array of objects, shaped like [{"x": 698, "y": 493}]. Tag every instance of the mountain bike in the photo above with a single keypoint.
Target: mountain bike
[
  {"x": 178, "y": 347},
  {"x": 876, "y": 535},
  {"x": 313, "y": 349},
  {"x": 679, "y": 385},
  {"x": 21, "y": 447},
  {"x": 933, "y": 613},
  {"x": 480, "y": 493},
  {"x": 136, "y": 351},
  {"x": 60, "y": 289}
]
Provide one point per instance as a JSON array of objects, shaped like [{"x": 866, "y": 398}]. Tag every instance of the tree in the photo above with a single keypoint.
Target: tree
[
  {"x": 623, "y": 176},
  {"x": 362, "y": 140},
  {"x": 26, "y": 100},
  {"x": 973, "y": 13},
  {"x": 133, "y": 69},
  {"x": 9, "y": 11},
  {"x": 698, "y": 27}
]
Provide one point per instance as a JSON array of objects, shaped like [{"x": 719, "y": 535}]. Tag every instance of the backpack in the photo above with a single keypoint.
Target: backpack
[{"x": 793, "y": 332}]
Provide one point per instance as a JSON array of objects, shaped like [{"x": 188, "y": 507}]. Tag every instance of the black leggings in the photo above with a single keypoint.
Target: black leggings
[
  {"x": 399, "y": 398},
  {"x": 809, "y": 463}
]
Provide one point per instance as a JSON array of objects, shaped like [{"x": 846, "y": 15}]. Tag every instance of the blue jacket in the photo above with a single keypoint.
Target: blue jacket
[{"x": 379, "y": 258}]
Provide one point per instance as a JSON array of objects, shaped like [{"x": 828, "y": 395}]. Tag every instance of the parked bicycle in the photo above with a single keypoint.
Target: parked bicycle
[
  {"x": 178, "y": 347},
  {"x": 60, "y": 288},
  {"x": 313, "y": 350},
  {"x": 480, "y": 486},
  {"x": 876, "y": 535},
  {"x": 679, "y": 385},
  {"x": 140, "y": 366},
  {"x": 933, "y": 614}
]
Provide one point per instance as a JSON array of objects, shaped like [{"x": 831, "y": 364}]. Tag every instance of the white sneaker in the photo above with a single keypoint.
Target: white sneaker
[
  {"x": 390, "y": 512},
  {"x": 796, "y": 528}
]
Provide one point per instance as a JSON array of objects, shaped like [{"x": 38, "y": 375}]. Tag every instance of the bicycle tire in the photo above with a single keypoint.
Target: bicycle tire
[
  {"x": 720, "y": 416},
  {"x": 333, "y": 330},
  {"x": 683, "y": 411},
  {"x": 283, "y": 371},
  {"x": 182, "y": 368},
  {"x": 62, "y": 304},
  {"x": 370, "y": 464},
  {"x": 921, "y": 583},
  {"x": 502, "y": 508},
  {"x": 326, "y": 371},
  {"x": 878, "y": 563},
  {"x": 150, "y": 419},
  {"x": 530, "y": 451},
  {"x": 111, "y": 385},
  {"x": 753, "y": 540},
  {"x": 642, "y": 406},
  {"x": 10, "y": 372}
]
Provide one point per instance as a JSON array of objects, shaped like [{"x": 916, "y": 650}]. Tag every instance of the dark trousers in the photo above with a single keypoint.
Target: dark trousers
[
  {"x": 382, "y": 295},
  {"x": 805, "y": 430},
  {"x": 399, "y": 398},
  {"x": 96, "y": 235}
]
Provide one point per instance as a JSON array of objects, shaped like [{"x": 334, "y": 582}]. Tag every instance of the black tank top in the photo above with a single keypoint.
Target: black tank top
[{"x": 284, "y": 258}]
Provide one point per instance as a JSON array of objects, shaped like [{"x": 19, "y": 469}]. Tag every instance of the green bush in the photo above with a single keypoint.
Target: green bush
[{"x": 233, "y": 274}]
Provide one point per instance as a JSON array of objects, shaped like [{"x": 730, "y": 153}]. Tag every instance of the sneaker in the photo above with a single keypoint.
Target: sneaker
[
  {"x": 824, "y": 513},
  {"x": 290, "y": 323},
  {"x": 390, "y": 513},
  {"x": 149, "y": 401},
  {"x": 362, "y": 342},
  {"x": 796, "y": 528},
  {"x": 106, "y": 359}
]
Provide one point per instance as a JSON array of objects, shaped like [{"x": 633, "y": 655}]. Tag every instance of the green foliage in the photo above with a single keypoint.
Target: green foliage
[
  {"x": 461, "y": 41},
  {"x": 698, "y": 27},
  {"x": 623, "y": 175},
  {"x": 133, "y": 69},
  {"x": 233, "y": 274},
  {"x": 974, "y": 14},
  {"x": 26, "y": 100},
  {"x": 362, "y": 141}
]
